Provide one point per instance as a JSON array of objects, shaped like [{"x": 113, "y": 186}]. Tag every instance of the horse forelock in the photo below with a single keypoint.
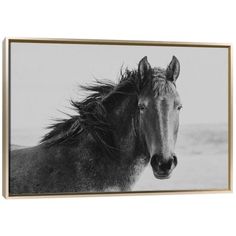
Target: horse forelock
[{"x": 160, "y": 85}]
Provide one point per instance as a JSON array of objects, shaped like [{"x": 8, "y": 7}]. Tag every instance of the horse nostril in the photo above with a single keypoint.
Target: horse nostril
[
  {"x": 155, "y": 161},
  {"x": 175, "y": 161}
]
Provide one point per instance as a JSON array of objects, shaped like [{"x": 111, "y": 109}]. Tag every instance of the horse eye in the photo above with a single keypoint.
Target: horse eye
[
  {"x": 179, "y": 107},
  {"x": 141, "y": 107}
]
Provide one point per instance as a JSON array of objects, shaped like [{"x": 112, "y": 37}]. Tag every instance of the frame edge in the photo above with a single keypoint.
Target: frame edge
[
  {"x": 230, "y": 118},
  {"x": 115, "y": 42},
  {"x": 5, "y": 118},
  {"x": 5, "y": 115}
]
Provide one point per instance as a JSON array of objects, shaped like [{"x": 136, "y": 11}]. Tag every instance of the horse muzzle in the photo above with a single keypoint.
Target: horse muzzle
[{"x": 162, "y": 168}]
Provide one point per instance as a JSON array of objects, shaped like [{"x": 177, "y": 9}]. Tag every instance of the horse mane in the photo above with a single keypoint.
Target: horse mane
[{"x": 92, "y": 114}]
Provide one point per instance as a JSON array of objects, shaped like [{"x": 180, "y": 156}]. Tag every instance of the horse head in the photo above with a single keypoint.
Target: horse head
[{"x": 159, "y": 105}]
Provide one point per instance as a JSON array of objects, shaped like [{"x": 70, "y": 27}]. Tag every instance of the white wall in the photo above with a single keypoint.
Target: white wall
[{"x": 195, "y": 214}]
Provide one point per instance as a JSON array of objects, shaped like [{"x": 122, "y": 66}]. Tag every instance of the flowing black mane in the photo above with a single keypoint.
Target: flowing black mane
[{"x": 92, "y": 114}]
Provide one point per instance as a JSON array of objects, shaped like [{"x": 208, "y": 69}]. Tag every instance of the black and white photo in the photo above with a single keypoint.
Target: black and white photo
[{"x": 117, "y": 117}]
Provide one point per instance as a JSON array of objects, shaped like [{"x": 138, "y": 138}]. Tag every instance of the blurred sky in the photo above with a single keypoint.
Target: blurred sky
[{"x": 45, "y": 76}]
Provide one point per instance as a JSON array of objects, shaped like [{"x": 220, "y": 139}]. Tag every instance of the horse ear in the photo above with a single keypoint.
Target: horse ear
[
  {"x": 173, "y": 69},
  {"x": 144, "y": 68}
]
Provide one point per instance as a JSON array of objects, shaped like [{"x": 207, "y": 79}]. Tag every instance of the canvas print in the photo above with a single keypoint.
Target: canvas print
[{"x": 110, "y": 118}]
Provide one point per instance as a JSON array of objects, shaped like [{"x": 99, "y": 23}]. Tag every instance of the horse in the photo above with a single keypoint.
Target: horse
[{"x": 119, "y": 128}]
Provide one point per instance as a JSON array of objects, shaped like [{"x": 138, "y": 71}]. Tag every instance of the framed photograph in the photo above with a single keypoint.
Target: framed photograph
[{"x": 85, "y": 117}]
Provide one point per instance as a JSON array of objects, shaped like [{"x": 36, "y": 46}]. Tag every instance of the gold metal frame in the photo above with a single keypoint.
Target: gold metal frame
[{"x": 6, "y": 102}]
